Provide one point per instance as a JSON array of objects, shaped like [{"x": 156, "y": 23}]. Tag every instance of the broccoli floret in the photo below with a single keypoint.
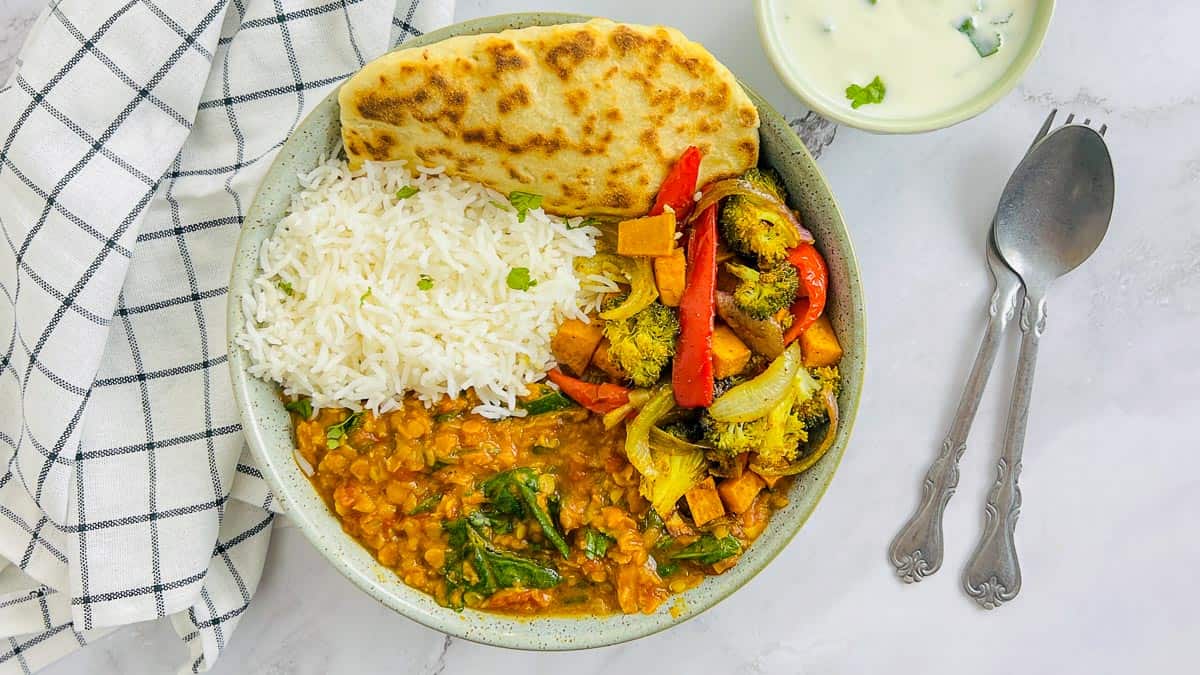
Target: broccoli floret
[
  {"x": 753, "y": 230},
  {"x": 763, "y": 293},
  {"x": 813, "y": 409},
  {"x": 768, "y": 180},
  {"x": 643, "y": 344},
  {"x": 725, "y": 384},
  {"x": 730, "y": 439},
  {"x": 727, "y": 438},
  {"x": 785, "y": 431},
  {"x": 776, "y": 437},
  {"x": 685, "y": 429}
]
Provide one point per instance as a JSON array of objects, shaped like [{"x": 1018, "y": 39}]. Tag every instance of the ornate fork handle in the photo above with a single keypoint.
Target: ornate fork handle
[
  {"x": 917, "y": 550},
  {"x": 993, "y": 576}
]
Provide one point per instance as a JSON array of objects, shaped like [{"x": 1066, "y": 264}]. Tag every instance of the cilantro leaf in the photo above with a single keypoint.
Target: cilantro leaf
[
  {"x": 524, "y": 202},
  {"x": 425, "y": 282},
  {"x": 407, "y": 191},
  {"x": 596, "y": 543},
  {"x": 551, "y": 401},
  {"x": 362, "y": 299},
  {"x": 285, "y": 286},
  {"x": 708, "y": 549},
  {"x": 872, "y": 93},
  {"x": 301, "y": 406},
  {"x": 667, "y": 569},
  {"x": 426, "y": 505},
  {"x": 336, "y": 433},
  {"x": 985, "y": 43},
  {"x": 519, "y": 279},
  {"x": 586, "y": 222}
]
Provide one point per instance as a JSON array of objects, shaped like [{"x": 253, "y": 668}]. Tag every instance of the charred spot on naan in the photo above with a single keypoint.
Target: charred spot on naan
[
  {"x": 433, "y": 100},
  {"x": 494, "y": 137},
  {"x": 517, "y": 97},
  {"x": 490, "y": 137},
  {"x": 626, "y": 40},
  {"x": 517, "y": 173},
  {"x": 650, "y": 141},
  {"x": 376, "y": 144},
  {"x": 749, "y": 150},
  {"x": 566, "y": 54},
  {"x": 576, "y": 99},
  {"x": 657, "y": 48},
  {"x": 505, "y": 57},
  {"x": 617, "y": 197}
]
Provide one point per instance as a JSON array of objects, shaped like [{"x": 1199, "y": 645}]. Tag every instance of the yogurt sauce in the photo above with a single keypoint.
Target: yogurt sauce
[{"x": 926, "y": 53}]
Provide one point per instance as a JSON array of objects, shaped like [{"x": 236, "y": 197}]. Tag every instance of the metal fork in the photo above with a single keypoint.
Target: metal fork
[{"x": 917, "y": 550}]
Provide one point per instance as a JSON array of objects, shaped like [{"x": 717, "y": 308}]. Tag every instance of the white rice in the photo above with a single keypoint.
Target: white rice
[{"x": 356, "y": 330}]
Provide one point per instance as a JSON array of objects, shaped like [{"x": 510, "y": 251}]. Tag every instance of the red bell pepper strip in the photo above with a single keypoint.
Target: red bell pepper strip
[
  {"x": 679, "y": 189},
  {"x": 599, "y": 398},
  {"x": 692, "y": 375},
  {"x": 814, "y": 279}
]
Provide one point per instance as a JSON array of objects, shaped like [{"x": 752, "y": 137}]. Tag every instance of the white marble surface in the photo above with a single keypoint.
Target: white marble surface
[{"x": 1108, "y": 533}]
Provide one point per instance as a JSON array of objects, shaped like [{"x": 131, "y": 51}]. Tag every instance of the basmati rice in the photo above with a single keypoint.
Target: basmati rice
[{"x": 365, "y": 296}]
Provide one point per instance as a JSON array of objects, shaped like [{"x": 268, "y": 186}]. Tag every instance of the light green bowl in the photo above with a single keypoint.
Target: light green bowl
[
  {"x": 787, "y": 69},
  {"x": 269, "y": 430}
]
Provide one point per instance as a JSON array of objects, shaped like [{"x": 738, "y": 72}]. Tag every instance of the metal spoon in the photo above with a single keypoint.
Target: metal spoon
[{"x": 1053, "y": 214}]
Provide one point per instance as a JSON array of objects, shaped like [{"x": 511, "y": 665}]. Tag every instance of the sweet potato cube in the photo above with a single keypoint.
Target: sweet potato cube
[
  {"x": 647, "y": 236},
  {"x": 704, "y": 501},
  {"x": 603, "y": 360},
  {"x": 677, "y": 526},
  {"x": 771, "y": 480},
  {"x": 730, "y": 354},
  {"x": 575, "y": 342},
  {"x": 739, "y": 493},
  {"x": 721, "y": 565},
  {"x": 819, "y": 344},
  {"x": 670, "y": 272}
]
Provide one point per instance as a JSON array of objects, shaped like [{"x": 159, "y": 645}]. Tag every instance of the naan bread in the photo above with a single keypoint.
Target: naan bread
[{"x": 590, "y": 116}]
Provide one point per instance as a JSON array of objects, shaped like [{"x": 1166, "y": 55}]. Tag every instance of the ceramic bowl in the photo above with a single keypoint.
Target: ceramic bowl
[
  {"x": 269, "y": 431},
  {"x": 791, "y": 73}
]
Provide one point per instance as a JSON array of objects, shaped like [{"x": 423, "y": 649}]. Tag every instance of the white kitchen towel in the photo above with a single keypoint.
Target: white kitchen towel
[{"x": 132, "y": 137}]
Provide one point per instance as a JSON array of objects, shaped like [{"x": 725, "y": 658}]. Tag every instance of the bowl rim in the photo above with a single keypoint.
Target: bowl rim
[
  {"x": 639, "y": 625},
  {"x": 914, "y": 125}
]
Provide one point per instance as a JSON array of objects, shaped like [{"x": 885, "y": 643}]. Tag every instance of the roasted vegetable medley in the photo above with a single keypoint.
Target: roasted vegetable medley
[{"x": 724, "y": 347}]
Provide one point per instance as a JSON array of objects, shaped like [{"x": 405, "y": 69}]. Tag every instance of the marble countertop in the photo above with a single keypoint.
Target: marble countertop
[{"x": 1108, "y": 530}]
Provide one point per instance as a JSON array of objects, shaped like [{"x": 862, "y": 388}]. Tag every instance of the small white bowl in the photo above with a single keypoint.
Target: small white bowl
[{"x": 789, "y": 71}]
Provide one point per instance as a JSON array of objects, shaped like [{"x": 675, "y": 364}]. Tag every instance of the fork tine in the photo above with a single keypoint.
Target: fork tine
[
  {"x": 1087, "y": 121},
  {"x": 1044, "y": 130}
]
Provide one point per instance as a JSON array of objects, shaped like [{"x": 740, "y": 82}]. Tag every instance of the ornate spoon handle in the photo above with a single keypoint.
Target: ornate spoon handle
[
  {"x": 993, "y": 575},
  {"x": 917, "y": 550}
]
